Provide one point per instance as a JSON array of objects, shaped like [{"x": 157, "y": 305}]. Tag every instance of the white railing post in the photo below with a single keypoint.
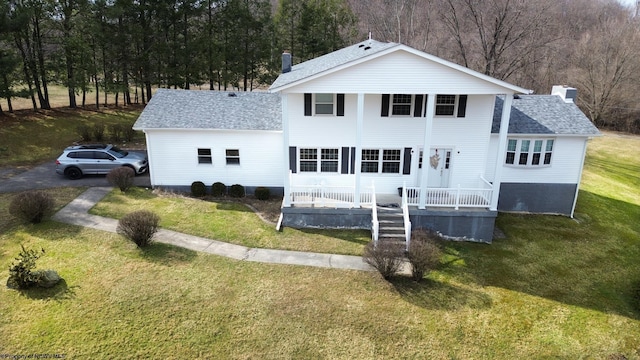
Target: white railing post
[
  {"x": 458, "y": 198},
  {"x": 405, "y": 217},
  {"x": 375, "y": 225}
]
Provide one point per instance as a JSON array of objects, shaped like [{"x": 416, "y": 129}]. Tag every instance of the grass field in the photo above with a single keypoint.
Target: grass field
[
  {"x": 36, "y": 137},
  {"x": 553, "y": 288}
]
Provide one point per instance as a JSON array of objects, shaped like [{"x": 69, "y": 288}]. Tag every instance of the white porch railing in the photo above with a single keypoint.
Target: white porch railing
[
  {"x": 405, "y": 216},
  {"x": 453, "y": 197},
  {"x": 329, "y": 196}
]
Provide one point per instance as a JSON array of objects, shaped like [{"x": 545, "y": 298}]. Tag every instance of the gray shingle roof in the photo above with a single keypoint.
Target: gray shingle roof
[
  {"x": 204, "y": 109},
  {"x": 543, "y": 114},
  {"x": 331, "y": 60}
]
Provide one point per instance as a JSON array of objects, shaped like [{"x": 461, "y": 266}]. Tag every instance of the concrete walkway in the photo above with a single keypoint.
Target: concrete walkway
[{"x": 76, "y": 213}]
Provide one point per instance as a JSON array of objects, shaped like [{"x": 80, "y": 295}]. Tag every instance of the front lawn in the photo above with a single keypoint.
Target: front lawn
[{"x": 553, "y": 288}]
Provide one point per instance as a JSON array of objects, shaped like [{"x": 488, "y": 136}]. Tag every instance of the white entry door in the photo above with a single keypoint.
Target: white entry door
[{"x": 439, "y": 167}]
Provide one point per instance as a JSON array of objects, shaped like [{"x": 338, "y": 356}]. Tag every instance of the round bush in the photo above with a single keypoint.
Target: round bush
[
  {"x": 218, "y": 189},
  {"x": 198, "y": 189},
  {"x": 139, "y": 226},
  {"x": 424, "y": 253},
  {"x": 32, "y": 206},
  {"x": 121, "y": 177},
  {"x": 262, "y": 193},
  {"x": 236, "y": 191}
]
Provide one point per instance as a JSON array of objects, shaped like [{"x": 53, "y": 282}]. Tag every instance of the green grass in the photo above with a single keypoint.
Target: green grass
[
  {"x": 553, "y": 288},
  {"x": 32, "y": 138},
  {"x": 231, "y": 222}
]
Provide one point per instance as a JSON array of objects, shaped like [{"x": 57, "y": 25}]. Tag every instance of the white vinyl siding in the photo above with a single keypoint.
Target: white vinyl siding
[
  {"x": 261, "y": 151},
  {"x": 563, "y": 168}
]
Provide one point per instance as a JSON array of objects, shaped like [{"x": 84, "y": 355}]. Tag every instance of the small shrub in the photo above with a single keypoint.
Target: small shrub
[
  {"x": 128, "y": 133},
  {"x": 198, "y": 189},
  {"x": 236, "y": 191},
  {"x": 32, "y": 206},
  {"x": 21, "y": 275},
  {"x": 121, "y": 177},
  {"x": 116, "y": 132},
  {"x": 424, "y": 253},
  {"x": 98, "y": 131},
  {"x": 387, "y": 257},
  {"x": 84, "y": 131},
  {"x": 262, "y": 193},
  {"x": 139, "y": 227},
  {"x": 218, "y": 189}
]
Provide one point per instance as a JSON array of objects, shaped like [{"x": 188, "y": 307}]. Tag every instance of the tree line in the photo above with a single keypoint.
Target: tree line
[{"x": 127, "y": 47}]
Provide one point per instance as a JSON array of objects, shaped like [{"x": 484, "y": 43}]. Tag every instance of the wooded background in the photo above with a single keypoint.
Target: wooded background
[{"x": 128, "y": 47}]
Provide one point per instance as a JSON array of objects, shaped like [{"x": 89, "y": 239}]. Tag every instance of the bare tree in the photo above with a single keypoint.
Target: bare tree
[
  {"x": 606, "y": 65},
  {"x": 498, "y": 37}
]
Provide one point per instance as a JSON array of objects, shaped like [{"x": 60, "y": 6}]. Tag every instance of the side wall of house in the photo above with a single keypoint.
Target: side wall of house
[
  {"x": 540, "y": 189},
  {"x": 173, "y": 157}
]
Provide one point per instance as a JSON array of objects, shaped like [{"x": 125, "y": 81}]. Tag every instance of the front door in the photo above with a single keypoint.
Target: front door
[{"x": 439, "y": 167}]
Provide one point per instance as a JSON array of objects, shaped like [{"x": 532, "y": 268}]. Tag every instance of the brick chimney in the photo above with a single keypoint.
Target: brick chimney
[{"x": 286, "y": 62}]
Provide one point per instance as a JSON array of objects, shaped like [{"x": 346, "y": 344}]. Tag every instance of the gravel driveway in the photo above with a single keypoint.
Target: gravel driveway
[{"x": 44, "y": 176}]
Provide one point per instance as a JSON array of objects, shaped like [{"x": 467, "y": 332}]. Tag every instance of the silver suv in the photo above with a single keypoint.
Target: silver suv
[{"x": 80, "y": 160}]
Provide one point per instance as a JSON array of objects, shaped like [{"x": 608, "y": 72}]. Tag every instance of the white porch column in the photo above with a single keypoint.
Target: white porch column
[
  {"x": 285, "y": 142},
  {"x": 426, "y": 150},
  {"x": 357, "y": 165},
  {"x": 502, "y": 150}
]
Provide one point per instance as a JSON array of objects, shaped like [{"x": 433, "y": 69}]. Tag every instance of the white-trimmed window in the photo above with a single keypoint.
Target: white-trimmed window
[
  {"x": 204, "y": 156},
  {"x": 446, "y": 105},
  {"x": 324, "y": 104},
  {"x": 529, "y": 152},
  {"x": 327, "y": 162},
  {"x": 401, "y": 104},
  {"x": 232, "y": 156},
  {"x": 388, "y": 163}
]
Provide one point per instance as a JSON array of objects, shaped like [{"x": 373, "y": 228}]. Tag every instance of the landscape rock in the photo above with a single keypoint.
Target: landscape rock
[{"x": 48, "y": 278}]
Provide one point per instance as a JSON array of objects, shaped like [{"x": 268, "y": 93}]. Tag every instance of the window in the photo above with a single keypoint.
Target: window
[
  {"x": 370, "y": 160},
  {"x": 233, "y": 156},
  {"x": 324, "y": 104},
  {"x": 391, "y": 161},
  {"x": 204, "y": 156},
  {"x": 328, "y": 161},
  {"x": 529, "y": 152},
  {"x": 445, "y": 105},
  {"x": 308, "y": 160},
  {"x": 388, "y": 164},
  {"x": 401, "y": 104}
]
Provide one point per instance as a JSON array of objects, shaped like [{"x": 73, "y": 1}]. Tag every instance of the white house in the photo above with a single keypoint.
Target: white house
[{"x": 340, "y": 133}]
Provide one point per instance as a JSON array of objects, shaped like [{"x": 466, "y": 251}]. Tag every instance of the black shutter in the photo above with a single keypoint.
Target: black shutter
[
  {"x": 340, "y": 101},
  {"x": 406, "y": 167},
  {"x": 417, "y": 109},
  {"x": 307, "y": 104},
  {"x": 292, "y": 159},
  {"x": 385, "y": 105},
  {"x": 462, "y": 105},
  {"x": 353, "y": 160},
  {"x": 345, "y": 161},
  {"x": 426, "y": 99}
]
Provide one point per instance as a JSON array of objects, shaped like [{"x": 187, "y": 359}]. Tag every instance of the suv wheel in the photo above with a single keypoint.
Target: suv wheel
[{"x": 73, "y": 173}]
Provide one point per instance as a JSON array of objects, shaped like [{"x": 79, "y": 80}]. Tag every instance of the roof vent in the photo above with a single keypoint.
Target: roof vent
[
  {"x": 232, "y": 94},
  {"x": 367, "y": 48},
  {"x": 361, "y": 45}
]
